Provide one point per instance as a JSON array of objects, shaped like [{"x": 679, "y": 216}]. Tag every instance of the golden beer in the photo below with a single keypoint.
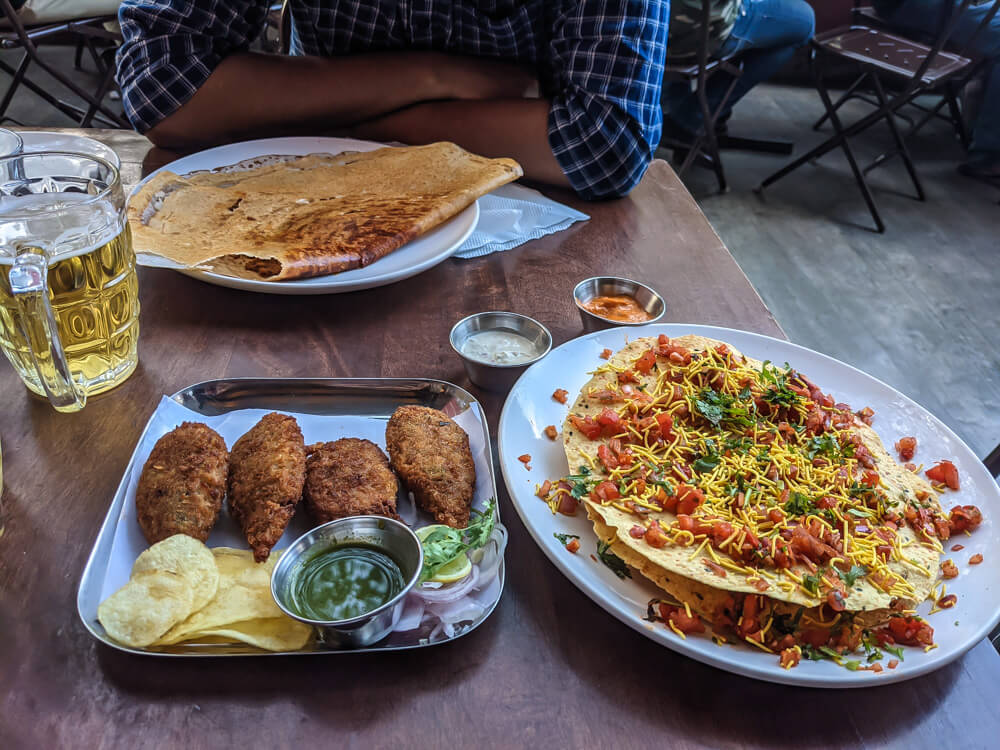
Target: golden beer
[
  {"x": 69, "y": 296},
  {"x": 95, "y": 301}
]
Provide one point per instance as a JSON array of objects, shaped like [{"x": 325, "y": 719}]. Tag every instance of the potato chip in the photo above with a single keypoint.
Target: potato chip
[
  {"x": 187, "y": 557},
  {"x": 244, "y": 593},
  {"x": 271, "y": 634},
  {"x": 146, "y": 607}
]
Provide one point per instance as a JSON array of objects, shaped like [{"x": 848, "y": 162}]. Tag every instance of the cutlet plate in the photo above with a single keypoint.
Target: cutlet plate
[{"x": 327, "y": 409}]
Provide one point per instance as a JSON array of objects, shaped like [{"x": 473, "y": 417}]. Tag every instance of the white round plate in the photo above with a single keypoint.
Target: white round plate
[
  {"x": 530, "y": 407},
  {"x": 44, "y": 140},
  {"x": 416, "y": 256}
]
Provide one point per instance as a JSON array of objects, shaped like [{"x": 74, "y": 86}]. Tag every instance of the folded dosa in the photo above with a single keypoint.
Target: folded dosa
[{"x": 286, "y": 217}]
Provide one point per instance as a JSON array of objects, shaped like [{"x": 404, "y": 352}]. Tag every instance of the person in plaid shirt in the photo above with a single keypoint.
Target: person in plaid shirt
[{"x": 569, "y": 89}]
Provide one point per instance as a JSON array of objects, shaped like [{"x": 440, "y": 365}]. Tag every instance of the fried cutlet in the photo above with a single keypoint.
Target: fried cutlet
[
  {"x": 430, "y": 453},
  {"x": 267, "y": 469},
  {"x": 182, "y": 484},
  {"x": 349, "y": 477}
]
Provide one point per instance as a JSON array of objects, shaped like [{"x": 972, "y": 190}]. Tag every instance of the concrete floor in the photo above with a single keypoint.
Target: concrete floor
[{"x": 917, "y": 307}]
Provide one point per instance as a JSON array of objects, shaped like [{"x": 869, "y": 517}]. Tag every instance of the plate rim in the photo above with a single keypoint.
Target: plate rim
[
  {"x": 602, "y": 595},
  {"x": 331, "y": 285}
]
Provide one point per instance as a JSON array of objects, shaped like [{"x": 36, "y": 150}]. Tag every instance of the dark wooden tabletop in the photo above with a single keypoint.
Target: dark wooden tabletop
[{"x": 548, "y": 669}]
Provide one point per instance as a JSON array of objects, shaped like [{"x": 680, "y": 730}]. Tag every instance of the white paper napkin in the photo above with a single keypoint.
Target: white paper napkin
[{"x": 513, "y": 214}]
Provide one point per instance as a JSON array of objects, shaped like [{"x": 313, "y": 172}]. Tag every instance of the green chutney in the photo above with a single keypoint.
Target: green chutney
[{"x": 344, "y": 582}]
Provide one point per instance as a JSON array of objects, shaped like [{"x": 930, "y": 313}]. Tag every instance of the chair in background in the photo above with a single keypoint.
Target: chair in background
[
  {"x": 708, "y": 142},
  {"x": 992, "y": 462},
  {"x": 98, "y": 33},
  {"x": 917, "y": 68}
]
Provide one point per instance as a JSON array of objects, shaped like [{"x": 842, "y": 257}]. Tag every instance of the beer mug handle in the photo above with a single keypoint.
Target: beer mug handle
[{"x": 28, "y": 281}]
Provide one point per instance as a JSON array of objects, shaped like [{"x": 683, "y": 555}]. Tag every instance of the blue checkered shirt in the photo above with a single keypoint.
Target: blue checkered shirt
[{"x": 599, "y": 62}]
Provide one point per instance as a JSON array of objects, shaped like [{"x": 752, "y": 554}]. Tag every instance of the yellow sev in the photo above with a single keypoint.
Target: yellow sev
[{"x": 746, "y": 472}]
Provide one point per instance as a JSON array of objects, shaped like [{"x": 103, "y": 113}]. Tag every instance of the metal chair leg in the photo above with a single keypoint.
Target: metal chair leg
[
  {"x": 102, "y": 90},
  {"x": 904, "y": 152},
  {"x": 957, "y": 118},
  {"x": 843, "y": 98},
  {"x": 845, "y": 145}
]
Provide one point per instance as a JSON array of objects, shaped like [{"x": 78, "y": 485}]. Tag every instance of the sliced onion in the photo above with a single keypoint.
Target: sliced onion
[
  {"x": 487, "y": 594},
  {"x": 493, "y": 556},
  {"x": 465, "y": 609},
  {"x": 450, "y": 593},
  {"x": 412, "y": 616}
]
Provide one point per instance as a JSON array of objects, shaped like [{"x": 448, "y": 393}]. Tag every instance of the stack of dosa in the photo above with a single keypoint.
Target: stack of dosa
[{"x": 287, "y": 217}]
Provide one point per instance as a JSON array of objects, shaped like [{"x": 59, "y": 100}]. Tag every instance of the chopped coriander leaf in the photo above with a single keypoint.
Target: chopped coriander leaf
[
  {"x": 852, "y": 575},
  {"x": 799, "y": 505},
  {"x": 614, "y": 563},
  {"x": 443, "y": 545},
  {"x": 705, "y": 464},
  {"x": 852, "y": 665},
  {"x": 564, "y": 538},
  {"x": 719, "y": 407},
  {"x": 897, "y": 651},
  {"x": 776, "y": 382},
  {"x": 811, "y": 583}
]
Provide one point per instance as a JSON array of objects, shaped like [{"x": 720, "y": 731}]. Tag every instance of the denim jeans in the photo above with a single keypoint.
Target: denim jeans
[
  {"x": 765, "y": 35},
  {"x": 923, "y": 16}
]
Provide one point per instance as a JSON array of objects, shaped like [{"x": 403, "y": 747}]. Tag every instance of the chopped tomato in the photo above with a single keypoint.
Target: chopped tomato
[
  {"x": 655, "y": 536},
  {"x": 964, "y": 518},
  {"x": 688, "y": 498},
  {"x": 815, "y": 637},
  {"x": 665, "y": 423},
  {"x": 790, "y": 657},
  {"x": 679, "y": 617},
  {"x": 606, "y": 354},
  {"x": 645, "y": 363},
  {"x": 945, "y": 472},
  {"x": 776, "y": 515},
  {"x": 876, "y": 667},
  {"x": 836, "y": 600},
  {"x": 609, "y": 421},
  {"x": 628, "y": 376},
  {"x": 586, "y": 425},
  {"x": 560, "y": 395},
  {"x": 947, "y": 602},
  {"x": 526, "y": 458},
  {"x": 545, "y": 489},
  {"x": 957, "y": 547},
  {"x": 826, "y": 501},
  {"x": 721, "y": 531},
  {"x": 715, "y": 568},
  {"x": 605, "y": 492},
  {"x": 637, "y": 532},
  {"x": 870, "y": 479},
  {"x": 949, "y": 569},
  {"x": 906, "y": 446},
  {"x": 551, "y": 432},
  {"x": 911, "y": 631},
  {"x": 567, "y": 504},
  {"x": 893, "y": 663},
  {"x": 573, "y": 545},
  {"x": 910, "y": 467},
  {"x": 975, "y": 559},
  {"x": 606, "y": 457},
  {"x": 667, "y": 502},
  {"x": 866, "y": 415}
]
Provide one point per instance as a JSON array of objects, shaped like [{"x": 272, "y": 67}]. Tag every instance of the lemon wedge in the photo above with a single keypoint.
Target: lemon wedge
[{"x": 453, "y": 570}]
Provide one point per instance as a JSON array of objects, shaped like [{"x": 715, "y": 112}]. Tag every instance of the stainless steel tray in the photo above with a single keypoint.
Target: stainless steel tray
[{"x": 375, "y": 398}]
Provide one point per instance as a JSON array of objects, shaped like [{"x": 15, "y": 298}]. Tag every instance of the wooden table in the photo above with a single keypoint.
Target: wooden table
[{"x": 549, "y": 668}]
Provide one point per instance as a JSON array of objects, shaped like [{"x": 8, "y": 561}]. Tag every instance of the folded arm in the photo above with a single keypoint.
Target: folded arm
[{"x": 188, "y": 80}]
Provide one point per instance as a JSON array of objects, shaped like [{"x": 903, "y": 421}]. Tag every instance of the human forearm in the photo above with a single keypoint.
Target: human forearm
[
  {"x": 252, "y": 94},
  {"x": 516, "y": 128}
]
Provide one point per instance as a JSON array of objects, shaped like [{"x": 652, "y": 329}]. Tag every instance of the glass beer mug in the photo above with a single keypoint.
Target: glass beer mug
[{"x": 69, "y": 300}]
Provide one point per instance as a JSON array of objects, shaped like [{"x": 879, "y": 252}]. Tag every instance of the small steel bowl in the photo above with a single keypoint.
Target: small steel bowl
[
  {"x": 491, "y": 376},
  {"x": 394, "y": 538},
  {"x": 601, "y": 286}
]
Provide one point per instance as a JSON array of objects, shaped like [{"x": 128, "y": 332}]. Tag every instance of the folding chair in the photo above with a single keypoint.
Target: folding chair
[
  {"x": 992, "y": 462},
  {"x": 91, "y": 32},
  {"x": 707, "y": 144},
  {"x": 949, "y": 95},
  {"x": 921, "y": 68}
]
